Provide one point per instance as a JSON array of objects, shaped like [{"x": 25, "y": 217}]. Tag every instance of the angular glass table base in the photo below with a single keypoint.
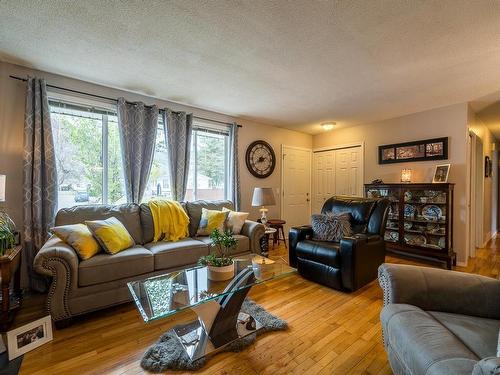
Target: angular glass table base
[{"x": 198, "y": 344}]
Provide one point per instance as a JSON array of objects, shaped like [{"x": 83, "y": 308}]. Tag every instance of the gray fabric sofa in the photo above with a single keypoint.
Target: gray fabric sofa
[
  {"x": 442, "y": 322},
  {"x": 79, "y": 287}
]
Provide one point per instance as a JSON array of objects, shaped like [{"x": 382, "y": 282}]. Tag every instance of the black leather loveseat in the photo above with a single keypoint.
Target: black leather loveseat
[{"x": 351, "y": 263}]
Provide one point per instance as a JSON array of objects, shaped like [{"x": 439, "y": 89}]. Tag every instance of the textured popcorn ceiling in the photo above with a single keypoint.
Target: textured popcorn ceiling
[{"x": 287, "y": 63}]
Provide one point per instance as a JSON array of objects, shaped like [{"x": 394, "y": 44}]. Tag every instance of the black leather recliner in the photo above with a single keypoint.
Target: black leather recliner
[{"x": 351, "y": 263}]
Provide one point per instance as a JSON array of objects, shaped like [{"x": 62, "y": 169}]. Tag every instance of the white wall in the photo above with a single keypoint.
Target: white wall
[
  {"x": 490, "y": 205},
  {"x": 12, "y": 97},
  {"x": 450, "y": 121}
]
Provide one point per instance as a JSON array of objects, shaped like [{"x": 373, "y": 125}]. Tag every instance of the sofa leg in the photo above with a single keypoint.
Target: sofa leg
[{"x": 65, "y": 323}]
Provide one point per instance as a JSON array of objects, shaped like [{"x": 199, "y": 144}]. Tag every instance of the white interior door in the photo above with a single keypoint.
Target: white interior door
[
  {"x": 296, "y": 186},
  {"x": 323, "y": 175},
  {"x": 349, "y": 171}
]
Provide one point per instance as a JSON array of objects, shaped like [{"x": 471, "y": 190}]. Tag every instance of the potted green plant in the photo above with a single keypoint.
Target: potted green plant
[
  {"x": 219, "y": 264},
  {"x": 7, "y": 239}
]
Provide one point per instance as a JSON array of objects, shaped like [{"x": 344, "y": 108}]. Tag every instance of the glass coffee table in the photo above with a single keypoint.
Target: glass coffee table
[{"x": 217, "y": 303}]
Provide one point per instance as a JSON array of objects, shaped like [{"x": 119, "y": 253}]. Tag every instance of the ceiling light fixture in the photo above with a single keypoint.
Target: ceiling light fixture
[{"x": 328, "y": 125}]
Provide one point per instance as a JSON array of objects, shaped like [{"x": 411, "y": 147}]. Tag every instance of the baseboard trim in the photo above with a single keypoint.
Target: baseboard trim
[{"x": 462, "y": 264}]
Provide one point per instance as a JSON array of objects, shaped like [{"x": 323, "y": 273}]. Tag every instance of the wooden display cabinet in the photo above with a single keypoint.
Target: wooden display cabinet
[{"x": 420, "y": 222}]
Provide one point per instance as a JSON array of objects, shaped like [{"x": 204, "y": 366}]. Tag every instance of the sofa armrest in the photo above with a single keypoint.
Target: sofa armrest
[
  {"x": 487, "y": 366},
  {"x": 58, "y": 260},
  {"x": 296, "y": 235},
  {"x": 254, "y": 231},
  {"x": 360, "y": 257},
  {"x": 440, "y": 290}
]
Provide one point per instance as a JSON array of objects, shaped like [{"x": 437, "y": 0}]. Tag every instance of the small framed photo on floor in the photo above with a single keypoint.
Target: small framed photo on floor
[{"x": 28, "y": 337}]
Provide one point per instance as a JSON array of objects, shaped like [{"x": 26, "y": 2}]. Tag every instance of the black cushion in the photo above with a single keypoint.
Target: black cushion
[
  {"x": 360, "y": 209},
  {"x": 323, "y": 252}
]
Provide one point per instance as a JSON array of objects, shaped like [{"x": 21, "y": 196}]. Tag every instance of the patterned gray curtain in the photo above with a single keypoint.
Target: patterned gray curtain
[
  {"x": 234, "y": 168},
  {"x": 137, "y": 125},
  {"x": 39, "y": 178},
  {"x": 178, "y": 128}
]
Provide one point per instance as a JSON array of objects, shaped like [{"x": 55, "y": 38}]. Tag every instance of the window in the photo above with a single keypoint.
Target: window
[
  {"x": 88, "y": 155},
  {"x": 209, "y": 163},
  {"x": 89, "y": 161},
  {"x": 159, "y": 178}
]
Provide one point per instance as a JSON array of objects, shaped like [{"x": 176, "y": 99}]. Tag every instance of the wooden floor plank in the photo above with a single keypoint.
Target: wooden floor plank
[{"x": 330, "y": 332}]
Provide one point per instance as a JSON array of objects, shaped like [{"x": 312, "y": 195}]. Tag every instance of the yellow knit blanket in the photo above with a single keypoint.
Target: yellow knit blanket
[{"x": 169, "y": 219}]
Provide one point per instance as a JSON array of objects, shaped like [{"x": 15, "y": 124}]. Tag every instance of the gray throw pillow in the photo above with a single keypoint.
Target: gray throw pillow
[{"x": 331, "y": 227}]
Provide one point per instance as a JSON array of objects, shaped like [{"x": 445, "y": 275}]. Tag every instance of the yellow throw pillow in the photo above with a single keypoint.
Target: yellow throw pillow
[
  {"x": 79, "y": 238},
  {"x": 111, "y": 234},
  {"x": 210, "y": 220},
  {"x": 235, "y": 220}
]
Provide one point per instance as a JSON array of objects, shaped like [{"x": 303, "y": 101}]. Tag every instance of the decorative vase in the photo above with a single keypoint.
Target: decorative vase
[{"x": 220, "y": 273}]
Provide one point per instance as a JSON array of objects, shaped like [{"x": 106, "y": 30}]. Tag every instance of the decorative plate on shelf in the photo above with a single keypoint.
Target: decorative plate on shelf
[
  {"x": 410, "y": 210},
  {"x": 408, "y": 225},
  {"x": 413, "y": 239},
  {"x": 391, "y": 236},
  {"x": 433, "y": 227},
  {"x": 442, "y": 242},
  {"x": 431, "y": 212},
  {"x": 431, "y": 193},
  {"x": 408, "y": 196}
]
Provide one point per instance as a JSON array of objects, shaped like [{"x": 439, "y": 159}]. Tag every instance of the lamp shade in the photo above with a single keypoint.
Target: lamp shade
[
  {"x": 263, "y": 197},
  {"x": 2, "y": 187}
]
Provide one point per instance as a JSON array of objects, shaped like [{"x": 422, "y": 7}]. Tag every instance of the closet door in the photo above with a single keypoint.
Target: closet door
[
  {"x": 323, "y": 178},
  {"x": 348, "y": 172}
]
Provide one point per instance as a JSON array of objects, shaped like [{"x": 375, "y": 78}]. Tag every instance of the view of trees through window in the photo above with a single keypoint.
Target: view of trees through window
[
  {"x": 208, "y": 172},
  {"x": 89, "y": 167},
  {"x": 89, "y": 161}
]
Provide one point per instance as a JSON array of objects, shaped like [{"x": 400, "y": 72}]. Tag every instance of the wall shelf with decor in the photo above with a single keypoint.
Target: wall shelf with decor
[{"x": 420, "y": 222}]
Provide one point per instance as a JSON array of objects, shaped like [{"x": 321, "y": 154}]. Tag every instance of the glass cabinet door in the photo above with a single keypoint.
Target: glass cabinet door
[
  {"x": 391, "y": 193},
  {"x": 425, "y": 218}
]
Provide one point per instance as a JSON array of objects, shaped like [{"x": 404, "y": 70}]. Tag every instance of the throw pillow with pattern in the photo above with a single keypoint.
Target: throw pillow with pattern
[{"x": 331, "y": 227}]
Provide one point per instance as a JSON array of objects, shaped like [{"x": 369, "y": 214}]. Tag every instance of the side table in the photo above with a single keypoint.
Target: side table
[
  {"x": 264, "y": 241},
  {"x": 10, "y": 273}
]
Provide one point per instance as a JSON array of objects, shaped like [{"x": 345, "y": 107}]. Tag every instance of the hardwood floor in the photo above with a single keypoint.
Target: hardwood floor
[{"x": 330, "y": 332}]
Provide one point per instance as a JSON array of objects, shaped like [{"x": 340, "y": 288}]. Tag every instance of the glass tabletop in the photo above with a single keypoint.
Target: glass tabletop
[{"x": 160, "y": 296}]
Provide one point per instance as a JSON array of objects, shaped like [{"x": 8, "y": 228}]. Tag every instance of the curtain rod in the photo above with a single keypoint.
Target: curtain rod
[{"x": 115, "y": 100}]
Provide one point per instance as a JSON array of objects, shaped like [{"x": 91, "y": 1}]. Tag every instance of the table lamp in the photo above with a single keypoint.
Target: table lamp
[{"x": 263, "y": 197}]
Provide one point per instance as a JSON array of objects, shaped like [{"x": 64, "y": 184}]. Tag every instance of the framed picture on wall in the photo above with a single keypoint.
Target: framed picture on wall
[
  {"x": 441, "y": 174},
  {"x": 427, "y": 149}
]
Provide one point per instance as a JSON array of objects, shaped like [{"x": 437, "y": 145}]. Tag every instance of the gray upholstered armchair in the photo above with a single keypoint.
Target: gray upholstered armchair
[{"x": 439, "y": 322}]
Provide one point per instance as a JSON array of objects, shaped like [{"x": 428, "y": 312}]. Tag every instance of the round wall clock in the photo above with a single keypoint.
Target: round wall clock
[{"x": 260, "y": 159}]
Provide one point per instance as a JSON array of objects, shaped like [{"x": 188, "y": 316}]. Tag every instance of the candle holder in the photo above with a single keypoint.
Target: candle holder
[{"x": 406, "y": 175}]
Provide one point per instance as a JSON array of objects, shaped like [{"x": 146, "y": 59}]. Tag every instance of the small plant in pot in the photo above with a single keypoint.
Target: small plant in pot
[
  {"x": 219, "y": 264},
  {"x": 7, "y": 239}
]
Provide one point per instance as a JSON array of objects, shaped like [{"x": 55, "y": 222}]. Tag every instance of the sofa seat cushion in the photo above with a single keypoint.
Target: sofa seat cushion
[
  {"x": 480, "y": 335},
  {"x": 102, "y": 268},
  {"x": 323, "y": 252},
  {"x": 422, "y": 343},
  {"x": 243, "y": 245},
  {"x": 176, "y": 254}
]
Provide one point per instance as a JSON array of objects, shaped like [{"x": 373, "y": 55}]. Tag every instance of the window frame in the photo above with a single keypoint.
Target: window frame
[
  {"x": 84, "y": 105},
  {"x": 207, "y": 126}
]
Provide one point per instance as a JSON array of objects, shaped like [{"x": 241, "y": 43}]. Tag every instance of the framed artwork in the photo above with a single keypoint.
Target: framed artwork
[
  {"x": 427, "y": 149},
  {"x": 28, "y": 337},
  {"x": 488, "y": 167},
  {"x": 441, "y": 174}
]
